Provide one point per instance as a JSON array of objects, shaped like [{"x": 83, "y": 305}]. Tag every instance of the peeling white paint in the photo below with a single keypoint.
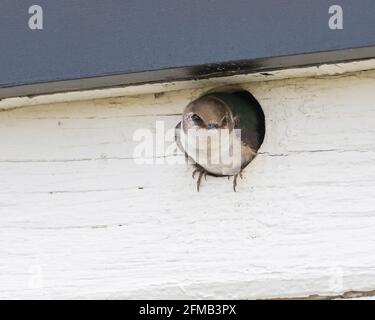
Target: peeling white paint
[
  {"x": 121, "y": 91},
  {"x": 79, "y": 219}
]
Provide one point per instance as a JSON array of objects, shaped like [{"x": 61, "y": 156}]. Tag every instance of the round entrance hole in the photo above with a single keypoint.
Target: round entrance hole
[{"x": 232, "y": 113}]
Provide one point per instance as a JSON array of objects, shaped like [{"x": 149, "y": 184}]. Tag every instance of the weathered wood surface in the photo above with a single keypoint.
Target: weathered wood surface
[{"x": 79, "y": 219}]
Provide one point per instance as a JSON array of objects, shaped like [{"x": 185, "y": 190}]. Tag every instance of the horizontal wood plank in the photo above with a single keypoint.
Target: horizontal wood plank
[{"x": 79, "y": 218}]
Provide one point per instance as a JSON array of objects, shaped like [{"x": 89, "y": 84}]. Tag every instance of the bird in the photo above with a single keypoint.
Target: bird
[{"x": 236, "y": 113}]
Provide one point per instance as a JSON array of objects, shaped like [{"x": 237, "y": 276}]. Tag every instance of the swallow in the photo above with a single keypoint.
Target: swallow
[{"x": 231, "y": 126}]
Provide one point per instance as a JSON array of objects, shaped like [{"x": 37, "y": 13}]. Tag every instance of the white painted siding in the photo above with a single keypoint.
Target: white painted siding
[{"x": 79, "y": 219}]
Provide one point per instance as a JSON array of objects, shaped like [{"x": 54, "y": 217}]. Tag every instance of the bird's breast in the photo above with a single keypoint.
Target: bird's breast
[{"x": 217, "y": 151}]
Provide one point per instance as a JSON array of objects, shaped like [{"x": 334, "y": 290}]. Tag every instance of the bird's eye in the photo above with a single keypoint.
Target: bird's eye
[{"x": 196, "y": 118}]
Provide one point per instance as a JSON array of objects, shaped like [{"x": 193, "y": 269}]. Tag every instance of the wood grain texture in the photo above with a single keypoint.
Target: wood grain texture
[
  {"x": 159, "y": 88},
  {"x": 80, "y": 219}
]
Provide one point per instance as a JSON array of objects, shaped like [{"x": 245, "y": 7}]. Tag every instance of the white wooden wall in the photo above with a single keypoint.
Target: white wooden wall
[{"x": 79, "y": 219}]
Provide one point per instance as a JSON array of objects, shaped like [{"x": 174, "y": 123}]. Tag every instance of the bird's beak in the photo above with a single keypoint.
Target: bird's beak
[{"x": 212, "y": 126}]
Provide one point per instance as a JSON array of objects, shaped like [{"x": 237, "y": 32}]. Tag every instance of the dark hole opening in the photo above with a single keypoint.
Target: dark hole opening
[
  {"x": 224, "y": 108},
  {"x": 244, "y": 102}
]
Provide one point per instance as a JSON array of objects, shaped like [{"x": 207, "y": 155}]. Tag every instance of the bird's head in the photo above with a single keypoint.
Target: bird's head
[{"x": 207, "y": 112}]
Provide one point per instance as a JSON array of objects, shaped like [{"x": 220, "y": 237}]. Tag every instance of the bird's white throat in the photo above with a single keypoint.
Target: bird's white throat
[{"x": 216, "y": 150}]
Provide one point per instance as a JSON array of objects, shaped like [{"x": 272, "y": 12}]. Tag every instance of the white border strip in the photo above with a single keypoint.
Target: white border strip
[{"x": 322, "y": 70}]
